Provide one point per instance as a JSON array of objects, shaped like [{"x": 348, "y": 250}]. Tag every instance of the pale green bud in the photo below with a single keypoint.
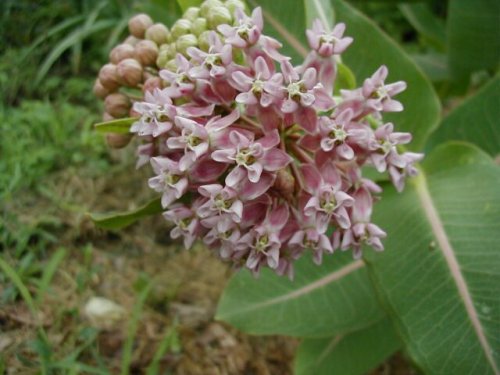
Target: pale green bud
[
  {"x": 171, "y": 50},
  {"x": 180, "y": 27},
  {"x": 204, "y": 40},
  {"x": 232, "y": 5},
  {"x": 158, "y": 33},
  {"x": 171, "y": 65},
  {"x": 207, "y": 5},
  {"x": 218, "y": 16},
  {"x": 186, "y": 41},
  {"x": 191, "y": 13},
  {"x": 162, "y": 59},
  {"x": 199, "y": 26}
]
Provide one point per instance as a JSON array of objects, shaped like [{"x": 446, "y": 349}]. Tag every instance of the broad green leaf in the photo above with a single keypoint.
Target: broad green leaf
[
  {"x": 473, "y": 36},
  {"x": 185, "y": 4},
  {"x": 321, "y": 9},
  {"x": 325, "y": 300},
  {"x": 430, "y": 27},
  {"x": 476, "y": 120},
  {"x": 354, "y": 353},
  {"x": 345, "y": 78},
  {"x": 434, "y": 65},
  {"x": 440, "y": 272},
  {"x": 287, "y": 24},
  {"x": 371, "y": 49},
  {"x": 123, "y": 219},
  {"x": 121, "y": 125}
]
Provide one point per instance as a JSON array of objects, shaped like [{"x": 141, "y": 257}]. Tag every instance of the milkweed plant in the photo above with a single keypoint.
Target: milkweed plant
[
  {"x": 276, "y": 166},
  {"x": 252, "y": 155}
]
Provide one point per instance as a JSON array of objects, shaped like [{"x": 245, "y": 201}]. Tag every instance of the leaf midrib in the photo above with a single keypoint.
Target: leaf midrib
[
  {"x": 322, "y": 282},
  {"x": 448, "y": 252}
]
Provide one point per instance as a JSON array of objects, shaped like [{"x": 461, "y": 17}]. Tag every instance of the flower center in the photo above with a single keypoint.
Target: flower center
[
  {"x": 257, "y": 86},
  {"x": 172, "y": 179},
  {"x": 328, "y": 203},
  {"x": 261, "y": 242},
  {"x": 295, "y": 90},
  {"x": 245, "y": 157},
  {"x": 326, "y": 38},
  {"x": 213, "y": 59},
  {"x": 193, "y": 140},
  {"x": 221, "y": 204}
]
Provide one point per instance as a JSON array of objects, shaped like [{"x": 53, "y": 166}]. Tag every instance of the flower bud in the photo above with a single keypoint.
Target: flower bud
[
  {"x": 158, "y": 33},
  {"x": 107, "y": 117},
  {"x": 108, "y": 76},
  {"x": 218, "y": 16},
  {"x": 186, "y": 41},
  {"x": 99, "y": 90},
  {"x": 191, "y": 13},
  {"x": 151, "y": 83},
  {"x": 199, "y": 25},
  {"x": 132, "y": 40},
  {"x": 138, "y": 25},
  {"x": 117, "y": 104},
  {"x": 146, "y": 52},
  {"x": 121, "y": 52},
  {"x": 162, "y": 59},
  {"x": 232, "y": 5},
  {"x": 180, "y": 27},
  {"x": 209, "y": 4},
  {"x": 129, "y": 72},
  {"x": 204, "y": 40},
  {"x": 117, "y": 141},
  {"x": 171, "y": 65},
  {"x": 285, "y": 184}
]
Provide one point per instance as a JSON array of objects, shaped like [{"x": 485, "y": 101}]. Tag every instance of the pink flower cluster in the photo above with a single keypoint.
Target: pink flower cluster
[{"x": 258, "y": 159}]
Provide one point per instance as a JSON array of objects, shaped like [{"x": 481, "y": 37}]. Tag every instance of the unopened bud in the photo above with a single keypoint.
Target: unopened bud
[
  {"x": 171, "y": 65},
  {"x": 218, "y": 16},
  {"x": 162, "y": 59},
  {"x": 180, "y": 27},
  {"x": 232, "y": 5},
  {"x": 204, "y": 40},
  {"x": 129, "y": 72},
  {"x": 186, "y": 41},
  {"x": 132, "y": 40},
  {"x": 191, "y": 13},
  {"x": 121, "y": 52},
  {"x": 285, "y": 184},
  {"x": 146, "y": 52},
  {"x": 151, "y": 83},
  {"x": 158, "y": 33},
  {"x": 108, "y": 75},
  {"x": 107, "y": 117},
  {"x": 117, "y": 105},
  {"x": 115, "y": 140},
  {"x": 209, "y": 4},
  {"x": 138, "y": 25},
  {"x": 99, "y": 90},
  {"x": 199, "y": 26}
]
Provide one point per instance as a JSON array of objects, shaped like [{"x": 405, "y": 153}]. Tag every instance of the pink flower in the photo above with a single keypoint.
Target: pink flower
[
  {"x": 263, "y": 242},
  {"x": 181, "y": 82},
  {"x": 186, "y": 223},
  {"x": 362, "y": 230},
  {"x": 247, "y": 30},
  {"x": 222, "y": 201},
  {"x": 328, "y": 43},
  {"x": 257, "y": 89},
  {"x": 170, "y": 180},
  {"x": 336, "y": 133},
  {"x": 252, "y": 158},
  {"x": 214, "y": 63},
  {"x": 195, "y": 138},
  {"x": 327, "y": 199},
  {"x": 379, "y": 94},
  {"x": 157, "y": 113}
]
